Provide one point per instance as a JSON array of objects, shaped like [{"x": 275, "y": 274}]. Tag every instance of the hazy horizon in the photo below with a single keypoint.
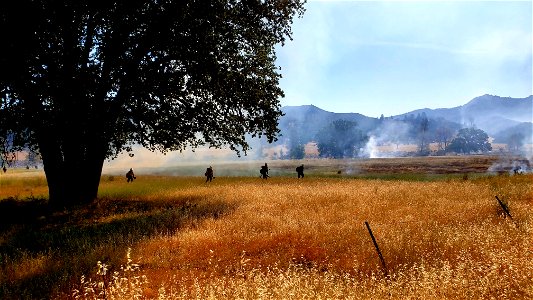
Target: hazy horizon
[
  {"x": 392, "y": 57},
  {"x": 406, "y": 112}
]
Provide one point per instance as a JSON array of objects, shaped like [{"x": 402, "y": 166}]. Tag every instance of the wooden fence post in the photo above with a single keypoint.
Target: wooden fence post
[
  {"x": 504, "y": 207},
  {"x": 506, "y": 210},
  {"x": 377, "y": 249}
]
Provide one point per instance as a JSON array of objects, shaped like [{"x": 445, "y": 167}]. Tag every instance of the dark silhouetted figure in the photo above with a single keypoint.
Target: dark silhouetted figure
[
  {"x": 300, "y": 171},
  {"x": 264, "y": 171},
  {"x": 130, "y": 176},
  {"x": 209, "y": 174},
  {"x": 4, "y": 169},
  {"x": 517, "y": 170}
]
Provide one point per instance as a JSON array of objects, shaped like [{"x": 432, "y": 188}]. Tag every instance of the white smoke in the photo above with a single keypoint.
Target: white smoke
[
  {"x": 371, "y": 148},
  {"x": 383, "y": 141},
  {"x": 513, "y": 165},
  {"x": 153, "y": 162}
]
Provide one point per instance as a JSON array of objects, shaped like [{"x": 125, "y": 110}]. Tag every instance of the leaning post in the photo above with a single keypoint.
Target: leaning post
[
  {"x": 506, "y": 210},
  {"x": 377, "y": 249},
  {"x": 504, "y": 207}
]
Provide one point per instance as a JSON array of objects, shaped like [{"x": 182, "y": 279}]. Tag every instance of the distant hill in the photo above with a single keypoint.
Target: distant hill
[
  {"x": 491, "y": 113},
  {"x": 525, "y": 129},
  {"x": 498, "y": 116}
]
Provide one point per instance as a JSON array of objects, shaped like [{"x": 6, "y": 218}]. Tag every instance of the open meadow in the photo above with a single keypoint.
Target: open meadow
[{"x": 441, "y": 233}]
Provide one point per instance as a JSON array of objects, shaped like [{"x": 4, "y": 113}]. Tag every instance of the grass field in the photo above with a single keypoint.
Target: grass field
[
  {"x": 362, "y": 168},
  {"x": 442, "y": 234}
]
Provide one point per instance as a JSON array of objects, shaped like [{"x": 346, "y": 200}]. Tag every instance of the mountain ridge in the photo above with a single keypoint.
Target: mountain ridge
[
  {"x": 498, "y": 116},
  {"x": 480, "y": 110}
]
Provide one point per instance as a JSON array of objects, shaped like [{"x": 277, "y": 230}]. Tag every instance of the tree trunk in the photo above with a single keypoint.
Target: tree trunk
[
  {"x": 70, "y": 187},
  {"x": 73, "y": 176}
]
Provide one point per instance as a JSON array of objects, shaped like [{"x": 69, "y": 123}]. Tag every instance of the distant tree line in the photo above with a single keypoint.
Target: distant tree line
[
  {"x": 340, "y": 139},
  {"x": 344, "y": 138}
]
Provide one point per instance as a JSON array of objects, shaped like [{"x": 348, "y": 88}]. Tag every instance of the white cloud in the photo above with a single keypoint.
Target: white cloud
[
  {"x": 304, "y": 59},
  {"x": 385, "y": 56},
  {"x": 511, "y": 45}
]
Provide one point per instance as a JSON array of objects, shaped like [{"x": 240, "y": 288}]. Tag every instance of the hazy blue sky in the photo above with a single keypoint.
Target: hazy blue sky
[{"x": 391, "y": 57}]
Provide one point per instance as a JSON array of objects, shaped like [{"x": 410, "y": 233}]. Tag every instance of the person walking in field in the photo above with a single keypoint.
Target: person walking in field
[
  {"x": 209, "y": 174},
  {"x": 264, "y": 171},
  {"x": 130, "y": 176},
  {"x": 300, "y": 171}
]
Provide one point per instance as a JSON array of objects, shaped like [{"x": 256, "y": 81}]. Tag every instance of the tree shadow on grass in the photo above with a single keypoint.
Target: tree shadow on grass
[{"x": 65, "y": 245}]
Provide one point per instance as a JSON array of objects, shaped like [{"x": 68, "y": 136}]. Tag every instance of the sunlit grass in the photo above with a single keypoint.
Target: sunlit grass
[
  {"x": 281, "y": 238},
  {"x": 18, "y": 183},
  {"x": 306, "y": 239},
  {"x": 114, "y": 187}
]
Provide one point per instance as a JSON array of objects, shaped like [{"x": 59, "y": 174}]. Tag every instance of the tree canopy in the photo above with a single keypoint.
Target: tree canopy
[
  {"x": 82, "y": 81},
  {"x": 515, "y": 141},
  {"x": 340, "y": 139},
  {"x": 470, "y": 140}
]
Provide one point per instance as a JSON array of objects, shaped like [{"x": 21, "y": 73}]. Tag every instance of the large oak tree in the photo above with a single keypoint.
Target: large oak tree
[
  {"x": 470, "y": 140},
  {"x": 83, "y": 81},
  {"x": 340, "y": 139}
]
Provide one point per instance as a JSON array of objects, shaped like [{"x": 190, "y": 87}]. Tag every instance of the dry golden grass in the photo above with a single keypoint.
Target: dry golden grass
[
  {"x": 281, "y": 238},
  {"x": 22, "y": 183},
  {"x": 306, "y": 239}
]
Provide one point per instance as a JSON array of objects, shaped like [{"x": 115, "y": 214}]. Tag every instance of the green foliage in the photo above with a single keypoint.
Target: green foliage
[
  {"x": 83, "y": 81},
  {"x": 515, "y": 141},
  {"x": 470, "y": 140},
  {"x": 340, "y": 139},
  {"x": 297, "y": 151},
  {"x": 296, "y": 144},
  {"x": 423, "y": 139}
]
